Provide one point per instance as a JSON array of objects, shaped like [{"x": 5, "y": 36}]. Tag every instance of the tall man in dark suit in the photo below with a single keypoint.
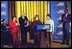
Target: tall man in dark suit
[
  {"x": 66, "y": 18},
  {"x": 24, "y": 28}
]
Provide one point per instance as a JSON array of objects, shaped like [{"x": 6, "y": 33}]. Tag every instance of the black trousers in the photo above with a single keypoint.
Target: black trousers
[
  {"x": 37, "y": 40},
  {"x": 65, "y": 37},
  {"x": 23, "y": 37}
]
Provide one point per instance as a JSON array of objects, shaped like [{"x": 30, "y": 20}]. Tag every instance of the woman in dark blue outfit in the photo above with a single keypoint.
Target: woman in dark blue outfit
[
  {"x": 6, "y": 38},
  {"x": 36, "y": 34}
]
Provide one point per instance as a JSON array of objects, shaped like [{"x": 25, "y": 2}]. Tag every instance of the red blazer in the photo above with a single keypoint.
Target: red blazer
[{"x": 13, "y": 27}]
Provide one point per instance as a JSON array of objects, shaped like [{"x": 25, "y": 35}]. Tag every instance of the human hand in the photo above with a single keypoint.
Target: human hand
[{"x": 17, "y": 24}]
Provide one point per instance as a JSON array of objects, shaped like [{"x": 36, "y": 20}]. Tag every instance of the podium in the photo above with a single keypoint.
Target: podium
[
  {"x": 45, "y": 28},
  {"x": 41, "y": 27}
]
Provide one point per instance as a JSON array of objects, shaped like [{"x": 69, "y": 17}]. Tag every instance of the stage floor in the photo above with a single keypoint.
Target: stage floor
[{"x": 55, "y": 44}]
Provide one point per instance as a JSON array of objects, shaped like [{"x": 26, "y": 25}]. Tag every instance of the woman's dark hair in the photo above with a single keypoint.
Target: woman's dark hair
[
  {"x": 13, "y": 17},
  {"x": 36, "y": 15},
  {"x": 48, "y": 15},
  {"x": 3, "y": 20}
]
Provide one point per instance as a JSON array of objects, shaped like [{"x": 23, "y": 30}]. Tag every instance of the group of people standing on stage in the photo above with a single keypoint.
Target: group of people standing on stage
[{"x": 24, "y": 26}]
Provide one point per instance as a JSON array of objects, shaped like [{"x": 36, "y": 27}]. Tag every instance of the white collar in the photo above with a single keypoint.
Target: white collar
[
  {"x": 22, "y": 17},
  {"x": 66, "y": 14}
]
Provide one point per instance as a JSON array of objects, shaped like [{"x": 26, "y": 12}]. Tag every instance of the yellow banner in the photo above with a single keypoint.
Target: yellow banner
[{"x": 32, "y": 8}]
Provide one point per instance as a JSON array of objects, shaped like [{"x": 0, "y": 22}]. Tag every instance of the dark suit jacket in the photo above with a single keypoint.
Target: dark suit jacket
[
  {"x": 66, "y": 21},
  {"x": 3, "y": 26},
  {"x": 22, "y": 22},
  {"x": 34, "y": 25}
]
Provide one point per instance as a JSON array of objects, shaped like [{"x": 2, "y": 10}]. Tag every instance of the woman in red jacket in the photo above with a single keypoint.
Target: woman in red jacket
[{"x": 14, "y": 29}]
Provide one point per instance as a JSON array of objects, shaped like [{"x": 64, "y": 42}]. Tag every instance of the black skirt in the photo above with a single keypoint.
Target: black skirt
[{"x": 6, "y": 37}]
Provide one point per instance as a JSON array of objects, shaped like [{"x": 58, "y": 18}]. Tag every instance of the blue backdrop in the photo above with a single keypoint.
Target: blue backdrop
[
  {"x": 56, "y": 10},
  {"x": 4, "y": 10}
]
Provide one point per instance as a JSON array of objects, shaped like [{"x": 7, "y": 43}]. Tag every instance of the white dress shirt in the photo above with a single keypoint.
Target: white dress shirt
[{"x": 51, "y": 22}]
